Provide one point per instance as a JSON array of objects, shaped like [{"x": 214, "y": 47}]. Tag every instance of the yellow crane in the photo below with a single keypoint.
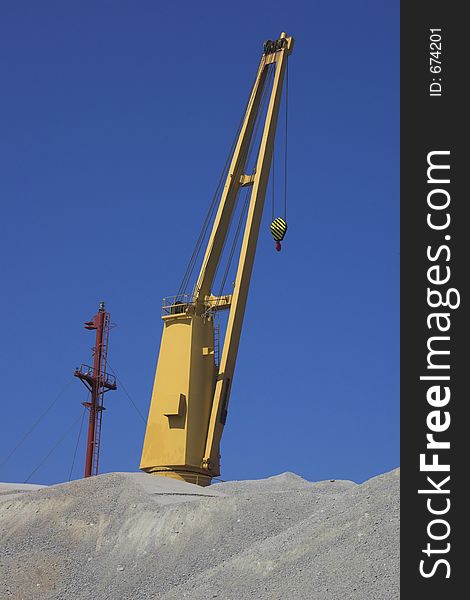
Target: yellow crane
[{"x": 191, "y": 390}]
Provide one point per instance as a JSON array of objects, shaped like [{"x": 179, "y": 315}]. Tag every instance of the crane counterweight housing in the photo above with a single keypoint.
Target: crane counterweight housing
[{"x": 192, "y": 382}]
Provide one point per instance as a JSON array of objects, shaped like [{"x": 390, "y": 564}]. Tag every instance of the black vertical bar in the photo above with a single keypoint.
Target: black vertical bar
[{"x": 432, "y": 124}]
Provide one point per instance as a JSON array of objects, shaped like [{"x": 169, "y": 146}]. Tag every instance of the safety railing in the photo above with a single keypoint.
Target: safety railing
[
  {"x": 179, "y": 304},
  {"x": 87, "y": 373},
  {"x": 186, "y": 304}
]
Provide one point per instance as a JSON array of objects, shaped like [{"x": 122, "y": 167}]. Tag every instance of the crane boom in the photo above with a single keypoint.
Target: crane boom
[{"x": 191, "y": 392}]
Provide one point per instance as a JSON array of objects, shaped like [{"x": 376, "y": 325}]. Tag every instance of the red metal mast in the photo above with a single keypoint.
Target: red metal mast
[{"x": 98, "y": 382}]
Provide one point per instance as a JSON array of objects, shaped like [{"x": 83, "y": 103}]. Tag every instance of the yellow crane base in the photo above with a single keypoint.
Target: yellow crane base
[{"x": 189, "y": 476}]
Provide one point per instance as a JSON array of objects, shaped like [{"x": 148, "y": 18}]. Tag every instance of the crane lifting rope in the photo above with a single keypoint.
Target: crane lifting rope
[{"x": 192, "y": 383}]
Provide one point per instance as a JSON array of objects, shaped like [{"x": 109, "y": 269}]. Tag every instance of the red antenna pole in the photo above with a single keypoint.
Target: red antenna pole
[{"x": 98, "y": 382}]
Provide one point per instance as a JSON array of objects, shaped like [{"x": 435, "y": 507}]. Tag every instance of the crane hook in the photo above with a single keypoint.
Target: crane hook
[{"x": 278, "y": 231}]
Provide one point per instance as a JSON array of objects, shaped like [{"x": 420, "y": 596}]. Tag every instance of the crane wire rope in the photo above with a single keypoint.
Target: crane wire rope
[
  {"x": 269, "y": 79},
  {"x": 285, "y": 139},
  {"x": 262, "y": 109},
  {"x": 272, "y": 185},
  {"x": 234, "y": 244},
  {"x": 273, "y": 176},
  {"x": 248, "y": 107},
  {"x": 203, "y": 232}
]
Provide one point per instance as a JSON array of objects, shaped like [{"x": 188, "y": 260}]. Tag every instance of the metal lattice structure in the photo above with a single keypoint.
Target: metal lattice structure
[{"x": 98, "y": 382}]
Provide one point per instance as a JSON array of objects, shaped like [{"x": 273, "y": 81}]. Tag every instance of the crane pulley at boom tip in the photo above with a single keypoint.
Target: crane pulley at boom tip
[{"x": 193, "y": 379}]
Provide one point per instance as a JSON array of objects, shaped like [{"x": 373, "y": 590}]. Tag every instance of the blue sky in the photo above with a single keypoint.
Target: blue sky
[{"x": 116, "y": 120}]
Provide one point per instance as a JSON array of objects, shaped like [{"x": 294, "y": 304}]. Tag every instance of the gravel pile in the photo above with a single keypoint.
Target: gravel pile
[{"x": 124, "y": 536}]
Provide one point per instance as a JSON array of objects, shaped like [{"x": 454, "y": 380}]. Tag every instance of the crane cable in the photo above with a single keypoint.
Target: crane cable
[
  {"x": 247, "y": 108},
  {"x": 285, "y": 139},
  {"x": 279, "y": 225},
  {"x": 269, "y": 79},
  {"x": 203, "y": 232},
  {"x": 233, "y": 247}
]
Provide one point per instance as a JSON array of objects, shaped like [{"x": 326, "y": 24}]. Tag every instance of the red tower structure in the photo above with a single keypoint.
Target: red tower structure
[{"x": 98, "y": 382}]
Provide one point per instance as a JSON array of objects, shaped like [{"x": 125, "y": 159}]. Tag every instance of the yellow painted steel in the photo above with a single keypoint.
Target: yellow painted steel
[
  {"x": 181, "y": 398},
  {"x": 278, "y": 229},
  {"x": 190, "y": 394}
]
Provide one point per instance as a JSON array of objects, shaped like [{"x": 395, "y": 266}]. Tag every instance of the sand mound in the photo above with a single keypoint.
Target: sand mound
[{"x": 125, "y": 536}]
